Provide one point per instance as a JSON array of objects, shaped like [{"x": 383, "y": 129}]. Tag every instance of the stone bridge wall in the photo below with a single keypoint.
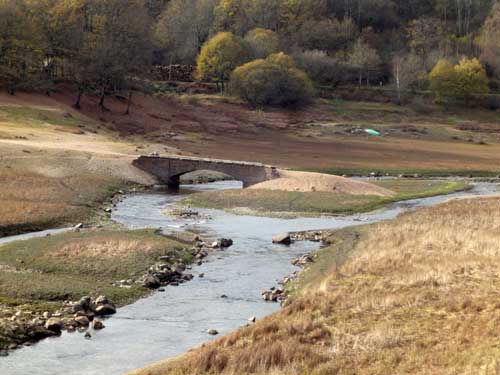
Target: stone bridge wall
[{"x": 169, "y": 169}]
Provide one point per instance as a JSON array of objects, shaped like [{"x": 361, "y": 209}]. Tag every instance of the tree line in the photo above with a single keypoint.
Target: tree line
[{"x": 104, "y": 46}]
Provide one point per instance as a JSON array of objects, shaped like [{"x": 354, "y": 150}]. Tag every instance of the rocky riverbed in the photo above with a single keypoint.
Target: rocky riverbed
[{"x": 225, "y": 298}]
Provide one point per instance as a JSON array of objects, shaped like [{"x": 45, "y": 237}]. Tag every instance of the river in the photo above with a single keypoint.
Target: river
[{"x": 169, "y": 323}]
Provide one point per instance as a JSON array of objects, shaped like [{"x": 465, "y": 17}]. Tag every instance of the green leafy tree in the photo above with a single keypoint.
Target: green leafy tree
[
  {"x": 272, "y": 81},
  {"x": 220, "y": 56}
]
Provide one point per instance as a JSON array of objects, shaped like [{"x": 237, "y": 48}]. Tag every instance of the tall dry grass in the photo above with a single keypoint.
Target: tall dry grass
[
  {"x": 29, "y": 199},
  {"x": 419, "y": 295}
]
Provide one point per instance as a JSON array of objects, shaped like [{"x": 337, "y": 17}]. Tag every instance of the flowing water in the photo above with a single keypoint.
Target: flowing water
[{"x": 169, "y": 323}]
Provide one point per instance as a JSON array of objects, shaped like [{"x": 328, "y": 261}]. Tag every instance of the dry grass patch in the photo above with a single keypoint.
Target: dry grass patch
[
  {"x": 74, "y": 264},
  {"x": 108, "y": 248},
  {"x": 279, "y": 202},
  {"x": 418, "y": 295},
  {"x": 31, "y": 201}
]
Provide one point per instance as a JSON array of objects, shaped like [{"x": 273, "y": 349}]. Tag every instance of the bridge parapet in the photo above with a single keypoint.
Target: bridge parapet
[{"x": 168, "y": 169}]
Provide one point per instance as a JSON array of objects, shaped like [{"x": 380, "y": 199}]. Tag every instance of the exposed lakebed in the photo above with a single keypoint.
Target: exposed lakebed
[{"x": 169, "y": 323}]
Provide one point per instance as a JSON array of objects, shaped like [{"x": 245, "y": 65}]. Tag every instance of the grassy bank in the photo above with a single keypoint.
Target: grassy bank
[
  {"x": 410, "y": 172},
  {"x": 316, "y": 203},
  {"x": 30, "y": 202},
  {"x": 56, "y": 165},
  {"x": 38, "y": 275},
  {"x": 417, "y": 295}
]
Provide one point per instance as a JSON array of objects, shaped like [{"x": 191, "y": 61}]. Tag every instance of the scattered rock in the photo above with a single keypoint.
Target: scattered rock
[
  {"x": 152, "y": 282},
  {"x": 106, "y": 309},
  {"x": 87, "y": 335},
  {"x": 253, "y": 319},
  {"x": 83, "y": 321},
  {"x": 213, "y": 332},
  {"x": 303, "y": 260},
  {"x": 283, "y": 238},
  {"x": 54, "y": 324},
  {"x": 273, "y": 295},
  {"x": 98, "y": 325},
  {"x": 225, "y": 242}
]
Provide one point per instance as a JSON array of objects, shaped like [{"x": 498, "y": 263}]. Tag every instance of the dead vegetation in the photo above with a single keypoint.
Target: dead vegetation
[
  {"x": 415, "y": 296},
  {"x": 30, "y": 201}
]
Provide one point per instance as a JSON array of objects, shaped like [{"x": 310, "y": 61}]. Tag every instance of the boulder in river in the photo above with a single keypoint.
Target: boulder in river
[
  {"x": 106, "y": 309},
  {"x": 213, "y": 332},
  {"x": 225, "y": 242},
  {"x": 283, "y": 238},
  {"x": 82, "y": 321},
  {"x": 98, "y": 324},
  {"x": 151, "y": 282},
  {"x": 54, "y": 324}
]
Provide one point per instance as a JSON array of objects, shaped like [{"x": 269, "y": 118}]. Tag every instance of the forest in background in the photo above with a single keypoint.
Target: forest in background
[{"x": 106, "y": 46}]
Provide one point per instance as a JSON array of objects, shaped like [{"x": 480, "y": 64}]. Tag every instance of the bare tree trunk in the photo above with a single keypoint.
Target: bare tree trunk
[
  {"x": 170, "y": 70},
  {"x": 101, "y": 101},
  {"x": 78, "y": 98},
  {"x": 398, "y": 83},
  {"x": 129, "y": 102}
]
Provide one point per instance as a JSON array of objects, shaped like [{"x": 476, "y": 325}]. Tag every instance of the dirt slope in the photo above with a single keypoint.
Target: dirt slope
[{"x": 307, "y": 182}]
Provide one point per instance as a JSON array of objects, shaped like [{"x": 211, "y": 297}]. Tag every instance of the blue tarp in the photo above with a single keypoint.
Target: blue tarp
[{"x": 372, "y": 132}]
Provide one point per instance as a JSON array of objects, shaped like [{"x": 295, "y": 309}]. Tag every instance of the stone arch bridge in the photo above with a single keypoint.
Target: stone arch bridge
[{"x": 168, "y": 169}]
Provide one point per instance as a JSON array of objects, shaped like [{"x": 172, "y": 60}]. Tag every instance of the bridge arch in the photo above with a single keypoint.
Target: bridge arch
[{"x": 168, "y": 169}]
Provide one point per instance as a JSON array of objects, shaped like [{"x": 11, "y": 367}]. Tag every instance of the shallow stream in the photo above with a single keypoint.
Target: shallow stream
[{"x": 169, "y": 323}]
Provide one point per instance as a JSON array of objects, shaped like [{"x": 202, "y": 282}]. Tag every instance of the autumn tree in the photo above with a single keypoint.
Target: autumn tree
[
  {"x": 424, "y": 36},
  {"x": 184, "y": 27},
  {"x": 463, "y": 81},
  {"x": 326, "y": 35},
  {"x": 322, "y": 68},
  {"x": 220, "y": 56},
  {"x": 21, "y": 55},
  {"x": 262, "y": 42},
  {"x": 231, "y": 16},
  {"x": 490, "y": 40},
  {"x": 116, "y": 43},
  {"x": 443, "y": 79},
  {"x": 272, "y": 81},
  {"x": 471, "y": 79},
  {"x": 364, "y": 59},
  {"x": 407, "y": 72}
]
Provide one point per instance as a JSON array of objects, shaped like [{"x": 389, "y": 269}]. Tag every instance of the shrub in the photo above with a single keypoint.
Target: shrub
[
  {"x": 262, "y": 42},
  {"x": 471, "y": 78},
  {"x": 322, "y": 68},
  {"x": 220, "y": 56},
  {"x": 442, "y": 79},
  {"x": 274, "y": 81},
  {"x": 462, "y": 81}
]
